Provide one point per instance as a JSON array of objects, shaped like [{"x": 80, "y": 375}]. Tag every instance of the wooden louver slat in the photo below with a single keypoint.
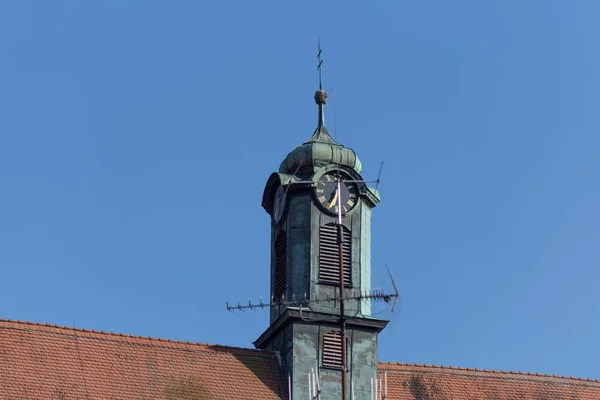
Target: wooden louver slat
[
  {"x": 332, "y": 349},
  {"x": 329, "y": 255},
  {"x": 280, "y": 264}
]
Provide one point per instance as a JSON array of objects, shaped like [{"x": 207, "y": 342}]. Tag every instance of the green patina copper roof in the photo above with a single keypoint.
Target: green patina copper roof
[{"x": 320, "y": 150}]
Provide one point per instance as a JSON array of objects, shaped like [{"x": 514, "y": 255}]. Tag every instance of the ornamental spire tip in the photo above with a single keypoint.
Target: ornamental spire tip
[{"x": 320, "y": 95}]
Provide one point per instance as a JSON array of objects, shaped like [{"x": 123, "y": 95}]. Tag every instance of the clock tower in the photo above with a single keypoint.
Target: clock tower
[{"x": 304, "y": 202}]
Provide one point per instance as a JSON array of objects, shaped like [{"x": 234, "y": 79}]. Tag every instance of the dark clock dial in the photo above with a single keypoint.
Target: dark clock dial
[
  {"x": 278, "y": 204},
  {"x": 330, "y": 198}
]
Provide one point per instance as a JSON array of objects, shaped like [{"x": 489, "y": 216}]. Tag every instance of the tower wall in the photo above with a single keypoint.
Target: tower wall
[
  {"x": 307, "y": 355},
  {"x": 302, "y": 227}
]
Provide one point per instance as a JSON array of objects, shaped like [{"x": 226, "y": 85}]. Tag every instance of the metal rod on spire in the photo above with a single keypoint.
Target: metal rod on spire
[
  {"x": 321, "y": 95},
  {"x": 319, "y": 65}
]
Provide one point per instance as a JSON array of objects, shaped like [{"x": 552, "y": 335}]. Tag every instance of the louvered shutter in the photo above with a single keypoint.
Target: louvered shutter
[
  {"x": 329, "y": 255},
  {"x": 280, "y": 263},
  {"x": 332, "y": 349}
]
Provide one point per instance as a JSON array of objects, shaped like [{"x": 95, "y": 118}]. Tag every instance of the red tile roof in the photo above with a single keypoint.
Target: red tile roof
[
  {"x": 39, "y": 361},
  {"x": 430, "y": 382}
]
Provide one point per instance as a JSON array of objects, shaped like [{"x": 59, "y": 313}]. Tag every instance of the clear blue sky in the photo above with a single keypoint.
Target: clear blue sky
[{"x": 136, "y": 138}]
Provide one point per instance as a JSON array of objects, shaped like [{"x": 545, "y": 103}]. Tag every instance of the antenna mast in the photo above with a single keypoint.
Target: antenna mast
[{"x": 342, "y": 295}]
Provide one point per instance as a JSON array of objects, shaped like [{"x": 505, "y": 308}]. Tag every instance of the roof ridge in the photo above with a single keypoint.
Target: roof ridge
[
  {"x": 123, "y": 335},
  {"x": 382, "y": 364}
]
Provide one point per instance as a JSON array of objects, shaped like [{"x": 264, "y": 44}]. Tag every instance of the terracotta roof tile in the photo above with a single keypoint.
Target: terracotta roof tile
[
  {"x": 40, "y": 361},
  {"x": 431, "y": 382}
]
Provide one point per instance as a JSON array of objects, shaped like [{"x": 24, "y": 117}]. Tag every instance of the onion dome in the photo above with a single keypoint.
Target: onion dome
[{"x": 320, "y": 150}]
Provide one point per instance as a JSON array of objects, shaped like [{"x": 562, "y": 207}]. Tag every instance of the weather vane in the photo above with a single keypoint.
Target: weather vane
[{"x": 319, "y": 65}]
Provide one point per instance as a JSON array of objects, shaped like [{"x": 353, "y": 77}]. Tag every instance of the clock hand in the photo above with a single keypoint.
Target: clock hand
[{"x": 334, "y": 199}]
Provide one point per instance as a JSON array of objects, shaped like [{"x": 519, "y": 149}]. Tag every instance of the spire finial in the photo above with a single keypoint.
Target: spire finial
[
  {"x": 319, "y": 64},
  {"x": 320, "y": 95}
]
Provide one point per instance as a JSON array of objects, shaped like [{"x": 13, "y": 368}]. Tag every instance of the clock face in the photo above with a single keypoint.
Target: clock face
[
  {"x": 330, "y": 199},
  {"x": 278, "y": 204}
]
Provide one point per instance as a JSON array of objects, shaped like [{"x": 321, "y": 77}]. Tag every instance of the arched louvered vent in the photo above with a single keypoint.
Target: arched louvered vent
[
  {"x": 329, "y": 255},
  {"x": 280, "y": 263},
  {"x": 332, "y": 349}
]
